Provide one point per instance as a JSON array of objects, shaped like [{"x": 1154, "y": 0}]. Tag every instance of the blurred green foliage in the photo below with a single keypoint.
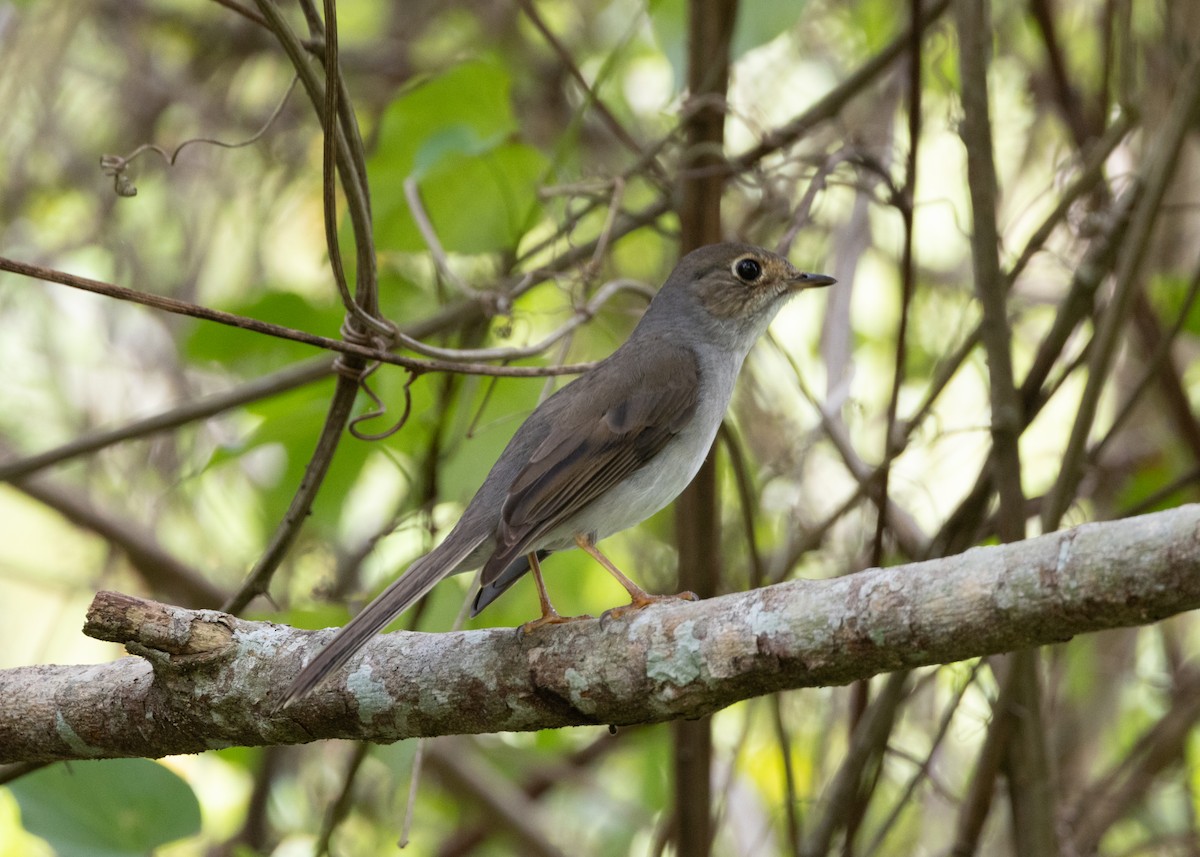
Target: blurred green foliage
[
  {"x": 515, "y": 167},
  {"x": 109, "y": 808}
]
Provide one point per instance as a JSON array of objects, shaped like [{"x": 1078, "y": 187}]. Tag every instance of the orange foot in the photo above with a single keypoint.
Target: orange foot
[
  {"x": 549, "y": 619},
  {"x": 642, "y": 602}
]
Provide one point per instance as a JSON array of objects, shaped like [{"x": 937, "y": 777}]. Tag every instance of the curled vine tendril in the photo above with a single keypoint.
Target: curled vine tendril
[
  {"x": 351, "y": 332},
  {"x": 115, "y": 166}
]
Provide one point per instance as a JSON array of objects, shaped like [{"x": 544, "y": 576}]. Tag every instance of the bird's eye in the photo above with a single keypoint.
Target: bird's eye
[{"x": 747, "y": 270}]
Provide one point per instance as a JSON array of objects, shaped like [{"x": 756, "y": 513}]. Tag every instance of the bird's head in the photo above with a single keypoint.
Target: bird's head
[{"x": 734, "y": 290}]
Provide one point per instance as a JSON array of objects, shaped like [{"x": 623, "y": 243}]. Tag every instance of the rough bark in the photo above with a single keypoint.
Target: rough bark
[{"x": 202, "y": 679}]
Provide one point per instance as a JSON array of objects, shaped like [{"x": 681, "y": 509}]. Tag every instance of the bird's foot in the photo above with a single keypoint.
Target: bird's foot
[
  {"x": 549, "y": 619},
  {"x": 641, "y": 602}
]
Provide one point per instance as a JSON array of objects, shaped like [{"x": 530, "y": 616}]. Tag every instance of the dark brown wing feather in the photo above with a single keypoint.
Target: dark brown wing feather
[{"x": 624, "y": 424}]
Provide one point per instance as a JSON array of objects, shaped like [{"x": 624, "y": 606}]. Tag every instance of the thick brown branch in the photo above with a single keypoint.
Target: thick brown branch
[{"x": 667, "y": 662}]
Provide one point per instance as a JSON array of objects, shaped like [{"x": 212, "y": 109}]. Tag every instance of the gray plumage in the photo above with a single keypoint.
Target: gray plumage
[{"x": 607, "y": 450}]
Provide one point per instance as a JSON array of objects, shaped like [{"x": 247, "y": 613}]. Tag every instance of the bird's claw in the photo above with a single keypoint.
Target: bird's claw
[
  {"x": 549, "y": 619},
  {"x": 641, "y": 603}
]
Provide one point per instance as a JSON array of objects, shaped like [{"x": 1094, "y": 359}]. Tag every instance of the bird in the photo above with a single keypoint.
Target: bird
[{"x": 605, "y": 451}]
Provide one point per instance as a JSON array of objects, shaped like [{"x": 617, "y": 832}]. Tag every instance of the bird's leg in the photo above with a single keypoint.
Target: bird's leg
[
  {"x": 638, "y": 597},
  {"x": 549, "y": 616}
]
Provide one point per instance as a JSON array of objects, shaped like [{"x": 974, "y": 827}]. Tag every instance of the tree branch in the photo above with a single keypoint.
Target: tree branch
[{"x": 206, "y": 680}]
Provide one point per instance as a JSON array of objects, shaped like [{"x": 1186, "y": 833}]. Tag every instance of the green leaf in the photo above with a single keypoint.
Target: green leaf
[
  {"x": 669, "y": 20},
  {"x": 254, "y": 353},
  {"x": 1169, "y": 294},
  {"x": 758, "y": 22},
  {"x": 109, "y": 808},
  {"x": 474, "y": 96},
  {"x": 478, "y": 437},
  {"x": 294, "y": 421},
  {"x": 484, "y": 202},
  {"x": 454, "y": 134},
  {"x": 448, "y": 142},
  {"x": 761, "y": 21}
]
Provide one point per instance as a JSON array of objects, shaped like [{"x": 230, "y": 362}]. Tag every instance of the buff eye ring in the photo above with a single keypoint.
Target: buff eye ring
[{"x": 747, "y": 270}]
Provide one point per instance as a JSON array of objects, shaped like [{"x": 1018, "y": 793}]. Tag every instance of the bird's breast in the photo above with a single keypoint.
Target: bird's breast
[{"x": 663, "y": 478}]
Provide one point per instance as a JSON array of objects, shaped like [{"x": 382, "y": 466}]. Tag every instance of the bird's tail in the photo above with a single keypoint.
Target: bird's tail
[
  {"x": 489, "y": 592},
  {"x": 421, "y": 576}
]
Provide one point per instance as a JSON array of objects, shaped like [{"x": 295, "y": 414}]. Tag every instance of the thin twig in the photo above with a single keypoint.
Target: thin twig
[
  {"x": 162, "y": 571},
  {"x": 412, "y": 195},
  {"x": 254, "y": 325},
  {"x": 191, "y": 411},
  {"x": 340, "y": 808},
  {"x": 1160, "y": 166},
  {"x": 592, "y": 98},
  {"x": 116, "y": 165}
]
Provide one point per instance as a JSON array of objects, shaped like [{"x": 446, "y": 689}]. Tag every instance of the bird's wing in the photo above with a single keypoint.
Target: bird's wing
[{"x": 625, "y": 422}]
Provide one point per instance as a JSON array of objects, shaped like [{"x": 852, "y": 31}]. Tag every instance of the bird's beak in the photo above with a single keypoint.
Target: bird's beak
[{"x": 811, "y": 281}]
